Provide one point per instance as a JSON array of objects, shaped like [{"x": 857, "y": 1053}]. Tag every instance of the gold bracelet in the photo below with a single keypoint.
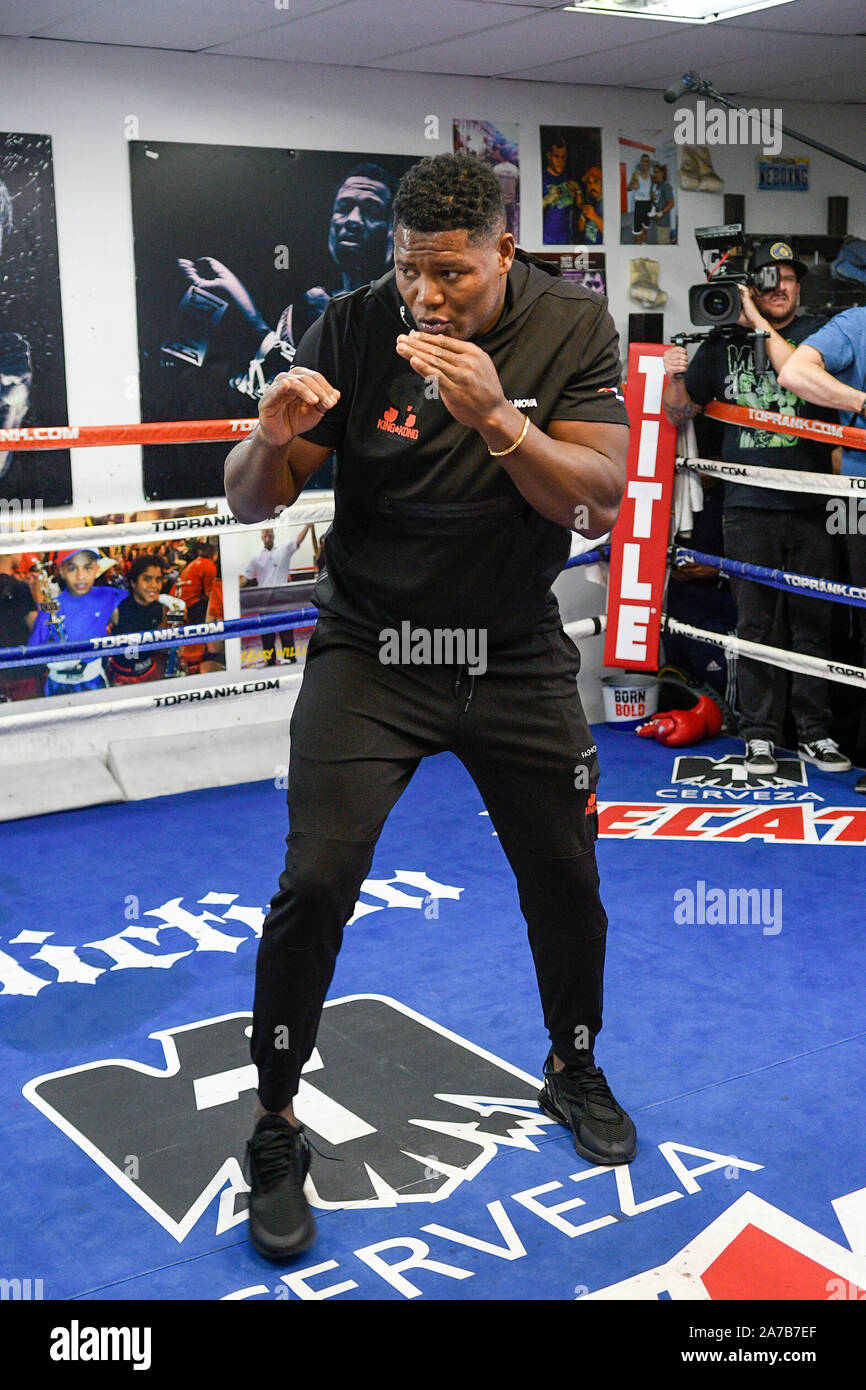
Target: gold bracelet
[{"x": 497, "y": 453}]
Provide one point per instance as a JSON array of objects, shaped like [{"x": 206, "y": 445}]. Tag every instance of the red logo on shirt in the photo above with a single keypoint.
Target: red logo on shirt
[
  {"x": 590, "y": 808},
  {"x": 389, "y": 419}
]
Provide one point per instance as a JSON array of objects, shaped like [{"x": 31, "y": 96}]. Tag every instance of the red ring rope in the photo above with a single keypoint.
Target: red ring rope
[
  {"x": 825, "y": 431},
  {"x": 94, "y": 436},
  {"x": 200, "y": 431}
]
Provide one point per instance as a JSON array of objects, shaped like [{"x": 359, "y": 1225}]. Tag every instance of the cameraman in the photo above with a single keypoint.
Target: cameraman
[{"x": 766, "y": 526}]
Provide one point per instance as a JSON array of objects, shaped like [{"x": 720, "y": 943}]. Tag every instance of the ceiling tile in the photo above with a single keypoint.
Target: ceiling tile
[
  {"x": 810, "y": 17},
  {"x": 541, "y": 39},
  {"x": 168, "y": 24},
  {"x": 842, "y": 86},
  {"x": 362, "y": 30},
  {"x": 732, "y": 59},
  {"x": 19, "y": 20}
]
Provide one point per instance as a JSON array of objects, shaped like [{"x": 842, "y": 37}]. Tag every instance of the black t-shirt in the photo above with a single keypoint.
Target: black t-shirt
[
  {"x": 137, "y": 617},
  {"x": 428, "y": 527},
  {"x": 16, "y": 601},
  {"x": 723, "y": 368}
]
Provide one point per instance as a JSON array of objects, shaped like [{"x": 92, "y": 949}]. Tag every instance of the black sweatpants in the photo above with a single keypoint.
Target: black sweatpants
[{"x": 358, "y": 732}]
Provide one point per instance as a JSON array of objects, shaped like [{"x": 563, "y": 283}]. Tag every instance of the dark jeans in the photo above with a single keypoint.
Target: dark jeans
[
  {"x": 795, "y": 540},
  {"x": 358, "y": 732},
  {"x": 856, "y": 545}
]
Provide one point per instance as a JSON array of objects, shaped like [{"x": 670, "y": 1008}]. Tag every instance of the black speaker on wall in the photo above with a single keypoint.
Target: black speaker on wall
[
  {"x": 646, "y": 328},
  {"x": 735, "y": 208},
  {"x": 837, "y": 216}
]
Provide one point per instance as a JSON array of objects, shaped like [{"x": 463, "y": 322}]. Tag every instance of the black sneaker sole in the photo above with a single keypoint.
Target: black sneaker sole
[
  {"x": 281, "y": 1251},
  {"x": 547, "y": 1105}
]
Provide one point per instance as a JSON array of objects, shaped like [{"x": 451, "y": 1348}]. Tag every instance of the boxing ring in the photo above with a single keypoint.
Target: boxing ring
[{"x": 734, "y": 1021}]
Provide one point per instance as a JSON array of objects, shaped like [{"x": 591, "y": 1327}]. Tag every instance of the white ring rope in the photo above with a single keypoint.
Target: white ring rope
[
  {"x": 773, "y": 656},
  {"x": 785, "y": 479},
  {"x": 166, "y": 528}
]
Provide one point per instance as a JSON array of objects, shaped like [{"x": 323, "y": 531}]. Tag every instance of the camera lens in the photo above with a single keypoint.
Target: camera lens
[{"x": 717, "y": 304}]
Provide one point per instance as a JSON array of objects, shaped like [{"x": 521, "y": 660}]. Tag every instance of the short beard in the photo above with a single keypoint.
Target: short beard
[{"x": 772, "y": 317}]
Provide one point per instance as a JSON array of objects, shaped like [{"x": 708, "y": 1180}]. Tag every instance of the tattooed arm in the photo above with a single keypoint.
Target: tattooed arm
[{"x": 677, "y": 402}]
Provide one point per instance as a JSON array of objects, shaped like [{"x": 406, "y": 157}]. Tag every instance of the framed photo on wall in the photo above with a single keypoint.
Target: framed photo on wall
[
  {"x": 32, "y": 363},
  {"x": 572, "y": 194},
  {"x": 237, "y": 253}
]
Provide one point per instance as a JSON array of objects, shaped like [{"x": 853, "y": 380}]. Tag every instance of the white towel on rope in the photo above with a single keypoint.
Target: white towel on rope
[{"x": 688, "y": 493}]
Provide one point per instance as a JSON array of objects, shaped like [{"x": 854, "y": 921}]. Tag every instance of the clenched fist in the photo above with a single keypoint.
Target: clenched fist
[{"x": 294, "y": 402}]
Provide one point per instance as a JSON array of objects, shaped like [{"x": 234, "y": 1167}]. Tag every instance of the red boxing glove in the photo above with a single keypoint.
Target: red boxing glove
[
  {"x": 675, "y": 729},
  {"x": 655, "y": 726},
  {"x": 711, "y": 715}
]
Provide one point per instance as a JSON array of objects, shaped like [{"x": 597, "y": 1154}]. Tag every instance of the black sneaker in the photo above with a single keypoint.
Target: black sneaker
[
  {"x": 860, "y": 785},
  {"x": 277, "y": 1162},
  {"x": 759, "y": 757},
  {"x": 580, "y": 1099},
  {"x": 825, "y": 754}
]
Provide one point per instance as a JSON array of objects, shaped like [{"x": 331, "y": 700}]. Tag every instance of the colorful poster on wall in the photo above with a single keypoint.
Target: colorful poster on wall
[
  {"x": 572, "y": 198},
  {"x": 647, "y": 200},
  {"x": 32, "y": 367},
  {"x": 237, "y": 252},
  {"x": 585, "y": 268},
  {"x": 498, "y": 146},
  {"x": 81, "y": 593},
  {"x": 277, "y": 571}
]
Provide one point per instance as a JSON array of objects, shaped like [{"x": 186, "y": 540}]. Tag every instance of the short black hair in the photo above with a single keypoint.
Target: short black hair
[
  {"x": 374, "y": 172},
  {"x": 142, "y": 563},
  {"x": 450, "y": 193}
]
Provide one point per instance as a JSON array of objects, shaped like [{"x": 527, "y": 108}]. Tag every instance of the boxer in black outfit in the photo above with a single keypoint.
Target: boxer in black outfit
[{"x": 473, "y": 404}]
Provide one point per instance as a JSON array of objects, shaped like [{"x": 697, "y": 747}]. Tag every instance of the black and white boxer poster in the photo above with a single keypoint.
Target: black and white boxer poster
[
  {"x": 572, "y": 194},
  {"x": 32, "y": 367},
  {"x": 237, "y": 252}
]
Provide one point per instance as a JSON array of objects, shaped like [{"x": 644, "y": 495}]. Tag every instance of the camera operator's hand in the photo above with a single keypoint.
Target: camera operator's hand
[
  {"x": 675, "y": 360},
  {"x": 750, "y": 316}
]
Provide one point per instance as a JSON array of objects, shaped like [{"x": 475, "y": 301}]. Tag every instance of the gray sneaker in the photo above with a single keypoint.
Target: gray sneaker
[
  {"x": 759, "y": 756},
  {"x": 825, "y": 754}
]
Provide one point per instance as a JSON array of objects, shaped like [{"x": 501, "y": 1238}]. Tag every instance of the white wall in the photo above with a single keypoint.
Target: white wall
[{"x": 83, "y": 97}]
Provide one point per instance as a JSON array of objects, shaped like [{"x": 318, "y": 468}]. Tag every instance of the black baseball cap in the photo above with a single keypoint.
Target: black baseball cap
[{"x": 776, "y": 253}]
